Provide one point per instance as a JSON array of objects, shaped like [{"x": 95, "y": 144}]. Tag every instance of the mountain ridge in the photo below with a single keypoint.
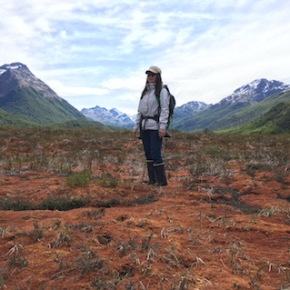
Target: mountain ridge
[
  {"x": 255, "y": 91},
  {"x": 114, "y": 117},
  {"x": 225, "y": 114},
  {"x": 27, "y": 97}
]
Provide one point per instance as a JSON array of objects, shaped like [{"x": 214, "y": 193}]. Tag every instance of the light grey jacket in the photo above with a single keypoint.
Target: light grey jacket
[{"x": 148, "y": 107}]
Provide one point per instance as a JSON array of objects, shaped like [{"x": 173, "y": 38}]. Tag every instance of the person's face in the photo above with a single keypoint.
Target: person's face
[{"x": 151, "y": 77}]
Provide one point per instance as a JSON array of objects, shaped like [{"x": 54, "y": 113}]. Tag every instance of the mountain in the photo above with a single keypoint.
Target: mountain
[
  {"x": 27, "y": 97},
  {"x": 235, "y": 109},
  {"x": 26, "y": 100},
  {"x": 188, "y": 110},
  {"x": 111, "y": 117},
  {"x": 275, "y": 119},
  {"x": 114, "y": 117},
  {"x": 254, "y": 92}
]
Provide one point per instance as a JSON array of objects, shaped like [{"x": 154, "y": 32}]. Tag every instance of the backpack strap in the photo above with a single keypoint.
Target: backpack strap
[
  {"x": 158, "y": 97},
  {"x": 146, "y": 118},
  {"x": 159, "y": 109}
]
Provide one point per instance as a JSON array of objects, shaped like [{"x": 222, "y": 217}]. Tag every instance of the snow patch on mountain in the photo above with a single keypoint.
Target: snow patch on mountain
[
  {"x": 255, "y": 91},
  {"x": 14, "y": 65},
  {"x": 193, "y": 106},
  {"x": 111, "y": 117},
  {"x": 189, "y": 109}
]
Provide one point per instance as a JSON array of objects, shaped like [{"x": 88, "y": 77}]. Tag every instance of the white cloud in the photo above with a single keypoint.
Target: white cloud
[
  {"x": 123, "y": 83},
  {"x": 71, "y": 91},
  {"x": 95, "y": 52}
]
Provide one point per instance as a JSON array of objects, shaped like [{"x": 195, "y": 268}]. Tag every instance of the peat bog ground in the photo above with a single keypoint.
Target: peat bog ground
[{"x": 74, "y": 213}]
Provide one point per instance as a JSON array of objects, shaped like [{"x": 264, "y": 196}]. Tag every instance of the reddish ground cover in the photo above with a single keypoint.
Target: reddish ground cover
[{"x": 224, "y": 228}]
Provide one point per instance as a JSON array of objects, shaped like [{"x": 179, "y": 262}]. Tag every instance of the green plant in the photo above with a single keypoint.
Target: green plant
[
  {"x": 95, "y": 214},
  {"x": 17, "y": 259},
  {"x": 100, "y": 284},
  {"x": 182, "y": 284},
  {"x": 110, "y": 203},
  {"x": 89, "y": 262},
  {"x": 79, "y": 179},
  {"x": 2, "y": 232},
  {"x": 123, "y": 247},
  {"x": 104, "y": 238},
  {"x": 107, "y": 180},
  {"x": 145, "y": 244},
  {"x": 130, "y": 286},
  {"x": 17, "y": 204},
  {"x": 37, "y": 233},
  {"x": 56, "y": 224},
  {"x": 62, "y": 203},
  {"x": 3, "y": 277},
  {"x": 81, "y": 226},
  {"x": 62, "y": 239},
  {"x": 170, "y": 257},
  {"x": 63, "y": 265}
]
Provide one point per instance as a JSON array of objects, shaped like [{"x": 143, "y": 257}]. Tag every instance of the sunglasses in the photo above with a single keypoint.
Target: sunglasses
[{"x": 150, "y": 74}]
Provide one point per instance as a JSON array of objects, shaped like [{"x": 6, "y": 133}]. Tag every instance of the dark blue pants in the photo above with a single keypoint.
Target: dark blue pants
[{"x": 152, "y": 145}]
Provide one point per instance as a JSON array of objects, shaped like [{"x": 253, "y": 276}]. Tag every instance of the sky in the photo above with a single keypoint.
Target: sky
[{"x": 95, "y": 52}]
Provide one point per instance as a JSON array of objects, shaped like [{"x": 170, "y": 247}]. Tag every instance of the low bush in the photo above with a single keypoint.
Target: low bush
[{"x": 79, "y": 179}]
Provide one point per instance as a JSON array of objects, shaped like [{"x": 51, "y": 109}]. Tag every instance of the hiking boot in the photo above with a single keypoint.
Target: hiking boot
[
  {"x": 151, "y": 172},
  {"x": 160, "y": 174}
]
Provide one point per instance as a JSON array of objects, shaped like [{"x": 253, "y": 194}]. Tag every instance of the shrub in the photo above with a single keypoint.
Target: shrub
[
  {"x": 79, "y": 179},
  {"x": 89, "y": 263},
  {"x": 62, "y": 203},
  {"x": 37, "y": 233},
  {"x": 107, "y": 180},
  {"x": 17, "y": 204}
]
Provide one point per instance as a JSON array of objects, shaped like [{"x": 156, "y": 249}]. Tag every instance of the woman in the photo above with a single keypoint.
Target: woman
[{"x": 151, "y": 121}]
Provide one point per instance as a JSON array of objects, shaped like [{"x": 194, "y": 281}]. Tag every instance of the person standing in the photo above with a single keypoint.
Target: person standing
[{"x": 151, "y": 123}]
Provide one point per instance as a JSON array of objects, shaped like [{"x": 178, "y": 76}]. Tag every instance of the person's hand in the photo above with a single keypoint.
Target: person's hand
[
  {"x": 161, "y": 133},
  {"x": 135, "y": 133}
]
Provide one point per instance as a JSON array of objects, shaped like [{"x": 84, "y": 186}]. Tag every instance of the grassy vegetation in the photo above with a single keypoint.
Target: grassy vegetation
[
  {"x": 75, "y": 151},
  {"x": 275, "y": 121},
  {"x": 7, "y": 119},
  {"x": 96, "y": 174},
  {"x": 78, "y": 124}
]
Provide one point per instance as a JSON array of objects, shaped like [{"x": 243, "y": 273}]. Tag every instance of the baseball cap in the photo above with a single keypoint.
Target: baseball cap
[{"x": 154, "y": 69}]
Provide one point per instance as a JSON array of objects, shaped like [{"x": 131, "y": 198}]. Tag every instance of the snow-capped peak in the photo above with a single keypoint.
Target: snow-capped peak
[
  {"x": 14, "y": 65},
  {"x": 109, "y": 117},
  {"x": 255, "y": 92}
]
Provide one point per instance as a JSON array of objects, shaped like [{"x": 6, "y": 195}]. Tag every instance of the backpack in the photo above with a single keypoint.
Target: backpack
[{"x": 172, "y": 104}]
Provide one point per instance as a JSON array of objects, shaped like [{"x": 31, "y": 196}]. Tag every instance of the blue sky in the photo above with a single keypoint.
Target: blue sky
[{"x": 96, "y": 52}]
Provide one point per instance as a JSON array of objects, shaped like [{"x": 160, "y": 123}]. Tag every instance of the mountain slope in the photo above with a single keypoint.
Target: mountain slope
[
  {"x": 25, "y": 96},
  {"x": 85, "y": 124},
  {"x": 7, "y": 119},
  {"x": 236, "y": 109},
  {"x": 274, "y": 120}
]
